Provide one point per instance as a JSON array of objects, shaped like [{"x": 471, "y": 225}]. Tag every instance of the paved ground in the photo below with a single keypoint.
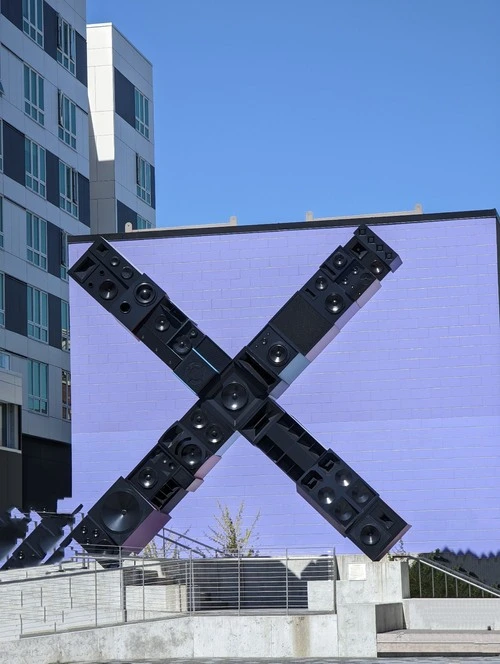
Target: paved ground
[{"x": 392, "y": 660}]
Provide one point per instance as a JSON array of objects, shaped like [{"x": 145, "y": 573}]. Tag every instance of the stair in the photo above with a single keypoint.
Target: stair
[{"x": 417, "y": 642}]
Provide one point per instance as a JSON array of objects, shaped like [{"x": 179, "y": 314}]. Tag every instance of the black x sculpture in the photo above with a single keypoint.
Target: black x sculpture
[{"x": 237, "y": 396}]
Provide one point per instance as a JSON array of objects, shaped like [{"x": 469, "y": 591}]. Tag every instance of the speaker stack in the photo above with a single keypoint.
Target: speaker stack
[
  {"x": 350, "y": 505},
  {"x": 123, "y": 517},
  {"x": 118, "y": 286},
  {"x": 12, "y": 529}
]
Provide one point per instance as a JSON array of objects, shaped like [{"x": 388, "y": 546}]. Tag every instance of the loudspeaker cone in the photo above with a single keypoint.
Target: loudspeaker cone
[
  {"x": 182, "y": 345},
  {"x": 108, "y": 289},
  {"x": 120, "y": 512},
  {"x": 326, "y": 496},
  {"x": 199, "y": 419},
  {"x": 343, "y": 477},
  {"x": 377, "y": 267},
  {"x": 278, "y": 355},
  {"x": 369, "y": 535},
  {"x": 192, "y": 454},
  {"x": 321, "y": 283},
  {"x": 115, "y": 261},
  {"x": 234, "y": 396},
  {"x": 343, "y": 511},
  {"x": 361, "y": 495},
  {"x": 147, "y": 478},
  {"x": 162, "y": 323},
  {"x": 334, "y": 303},
  {"x": 127, "y": 272},
  {"x": 339, "y": 260},
  {"x": 214, "y": 434},
  {"x": 144, "y": 293}
]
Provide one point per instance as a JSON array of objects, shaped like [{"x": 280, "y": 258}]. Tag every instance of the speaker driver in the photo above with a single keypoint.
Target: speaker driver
[
  {"x": 120, "y": 511},
  {"x": 343, "y": 477},
  {"x": 377, "y": 267},
  {"x": 127, "y": 272},
  {"x": 182, "y": 345},
  {"x": 20, "y": 554},
  {"x": 214, "y": 434},
  {"x": 278, "y": 354},
  {"x": 234, "y": 396},
  {"x": 115, "y": 261},
  {"x": 339, "y": 260},
  {"x": 343, "y": 511},
  {"x": 192, "y": 455},
  {"x": 148, "y": 478},
  {"x": 199, "y": 419},
  {"x": 326, "y": 496},
  {"x": 108, "y": 289},
  {"x": 361, "y": 495},
  {"x": 144, "y": 293},
  {"x": 334, "y": 303},
  {"x": 321, "y": 283},
  {"x": 369, "y": 535},
  {"x": 162, "y": 323}
]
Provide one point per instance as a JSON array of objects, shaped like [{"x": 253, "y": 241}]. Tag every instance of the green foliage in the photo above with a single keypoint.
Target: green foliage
[
  {"x": 428, "y": 582},
  {"x": 229, "y": 535}
]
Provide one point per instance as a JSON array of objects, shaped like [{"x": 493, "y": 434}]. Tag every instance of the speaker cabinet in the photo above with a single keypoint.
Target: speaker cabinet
[
  {"x": 160, "y": 469},
  {"x": 127, "y": 294},
  {"x": 208, "y": 426},
  {"x": 12, "y": 529},
  {"x": 283, "y": 440},
  {"x": 95, "y": 539},
  {"x": 192, "y": 450},
  {"x": 277, "y": 355},
  {"x": 377, "y": 530},
  {"x": 336, "y": 491},
  {"x": 239, "y": 391},
  {"x": 122, "y": 512},
  {"x": 366, "y": 240},
  {"x": 41, "y": 541},
  {"x": 25, "y": 555}
]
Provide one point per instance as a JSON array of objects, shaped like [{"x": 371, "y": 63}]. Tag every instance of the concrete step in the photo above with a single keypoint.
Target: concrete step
[{"x": 437, "y": 642}]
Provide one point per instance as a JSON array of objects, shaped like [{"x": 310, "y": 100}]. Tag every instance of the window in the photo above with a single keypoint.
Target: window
[
  {"x": 66, "y": 395},
  {"x": 2, "y": 299},
  {"x": 1, "y": 222},
  {"x": 38, "y": 314},
  {"x": 33, "y": 20},
  {"x": 38, "y": 387},
  {"x": 68, "y": 189},
  {"x": 141, "y": 113},
  {"x": 9, "y": 425},
  {"x": 64, "y": 256},
  {"x": 4, "y": 360},
  {"x": 143, "y": 223},
  {"x": 33, "y": 95},
  {"x": 34, "y": 163},
  {"x": 67, "y": 120},
  {"x": 143, "y": 179},
  {"x": 1, "y": 145},
  {"x": 66, "y": 48},
  {"x": 36, "y": 240},
  {"x": 64, "y": 325}
]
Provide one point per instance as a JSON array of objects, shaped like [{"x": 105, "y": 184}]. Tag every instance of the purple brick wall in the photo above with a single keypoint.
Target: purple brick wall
[{"x": 408, "y": 393}]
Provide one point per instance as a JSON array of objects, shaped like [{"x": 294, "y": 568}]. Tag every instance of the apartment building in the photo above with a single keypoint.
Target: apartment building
[{"x": 62, "y": 173}]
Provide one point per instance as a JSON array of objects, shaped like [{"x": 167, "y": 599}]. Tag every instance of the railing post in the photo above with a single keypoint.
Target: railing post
[
  {"x": 143, "y": 592},
  {"x": 239, "y": 581},
  {"x": 95, "y": 590},
  {"x": 286, "y": 580},
  {"x": 420, "y": 578}
]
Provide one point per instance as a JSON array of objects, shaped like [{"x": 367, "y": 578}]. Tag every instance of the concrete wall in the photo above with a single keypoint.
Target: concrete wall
[
  {"x": 463, "y": 613},
  {"x": 408, "y": 393}
]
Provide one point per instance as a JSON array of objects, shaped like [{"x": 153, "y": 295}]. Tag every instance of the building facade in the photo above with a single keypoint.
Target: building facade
[
  {"x": 122, "y": 183},
  {"x": 55, "y": 184},
  {"x": 408, "y": 393}
]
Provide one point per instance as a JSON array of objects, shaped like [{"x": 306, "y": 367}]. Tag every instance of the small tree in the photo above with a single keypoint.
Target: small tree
[{"x": 229, "y": 536}]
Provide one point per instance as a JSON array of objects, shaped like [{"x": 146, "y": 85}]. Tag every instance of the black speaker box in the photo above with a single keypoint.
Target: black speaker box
[
  {"x": 377, "y": 530},
  {"x": 195, "y": 371},
  {"x": 329, "y": 298},
  {"x": 95, "y": 539},
  {"x": 120, "y": 511},
  {"x": 369, "y": 240},
  {"x": 238, "y": 392},
  {"x": 283, "y": 440},
  {"x": 39, "y": 542},
  {"x": 336, "y": 491},
  {"x": 11, "y": 530},
  {"x": 25, "y": 555},
  {"x": 368, "y": 259},
  {"x": 272, "y": 350},
  {"x": 190, "y": 449},
  {"x": 208, "y": 426},
  {"x": 337, "y": 262}
]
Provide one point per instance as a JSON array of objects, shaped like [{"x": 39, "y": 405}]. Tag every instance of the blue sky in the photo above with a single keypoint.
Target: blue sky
[{"x": 265, "y": 109}]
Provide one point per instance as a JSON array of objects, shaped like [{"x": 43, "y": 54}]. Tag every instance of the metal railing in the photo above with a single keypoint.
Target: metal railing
[
  {"x": 82, "y": 593},
  {"x": 431, "y": 579}
]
